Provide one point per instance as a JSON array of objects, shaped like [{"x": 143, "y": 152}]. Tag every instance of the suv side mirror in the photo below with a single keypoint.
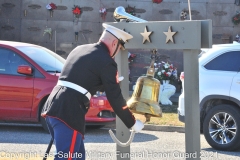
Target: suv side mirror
[{"x": 25, "y": 69}]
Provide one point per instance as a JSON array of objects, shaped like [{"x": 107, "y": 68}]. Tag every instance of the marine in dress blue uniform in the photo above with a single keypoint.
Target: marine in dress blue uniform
[{"x": 88, "y": 68}]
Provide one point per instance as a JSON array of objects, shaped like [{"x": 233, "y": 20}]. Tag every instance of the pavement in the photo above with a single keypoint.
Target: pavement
[{"x": 152, "y": 127}]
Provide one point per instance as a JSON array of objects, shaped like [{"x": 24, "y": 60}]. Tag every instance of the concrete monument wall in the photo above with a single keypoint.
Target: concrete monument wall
[{"x": 26, "y": 20}]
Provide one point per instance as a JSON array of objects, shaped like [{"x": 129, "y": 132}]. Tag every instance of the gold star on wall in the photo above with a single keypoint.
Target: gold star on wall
[
  {"x": 146, "y": 35},
  {"x": 169, "y": 35}
]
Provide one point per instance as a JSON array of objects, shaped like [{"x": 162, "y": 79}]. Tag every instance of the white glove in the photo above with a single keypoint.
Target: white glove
[
  {"x": 120, "y": 78},
  {"x": 138, "y": 126}
]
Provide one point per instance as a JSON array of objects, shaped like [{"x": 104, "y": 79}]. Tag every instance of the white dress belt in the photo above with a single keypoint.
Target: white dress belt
[{"x": 75, "y": 87}]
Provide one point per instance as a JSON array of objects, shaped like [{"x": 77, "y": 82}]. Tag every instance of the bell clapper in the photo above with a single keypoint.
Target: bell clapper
[{"x": 148, "y": 117}]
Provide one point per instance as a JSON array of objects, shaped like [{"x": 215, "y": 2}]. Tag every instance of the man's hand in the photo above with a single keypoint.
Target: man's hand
[{"x": 138, "y": 126}]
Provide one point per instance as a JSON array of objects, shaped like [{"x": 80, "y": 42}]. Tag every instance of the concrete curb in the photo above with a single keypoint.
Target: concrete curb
[
  {"x": 150, "y": 127},
  {"x": 164, "y": 128}
]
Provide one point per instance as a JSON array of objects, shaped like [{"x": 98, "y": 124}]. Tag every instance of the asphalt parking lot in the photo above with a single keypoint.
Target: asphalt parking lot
[{"x": 151, "y": 145}]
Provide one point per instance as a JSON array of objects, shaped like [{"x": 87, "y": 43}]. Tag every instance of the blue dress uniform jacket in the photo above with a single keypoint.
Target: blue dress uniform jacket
[{"x": 91, "y": 67}]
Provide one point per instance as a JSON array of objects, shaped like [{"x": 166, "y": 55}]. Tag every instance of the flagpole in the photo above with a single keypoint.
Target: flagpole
[
  {"x": 55, "y": 41},
  {"x": 189, "y": 10}
]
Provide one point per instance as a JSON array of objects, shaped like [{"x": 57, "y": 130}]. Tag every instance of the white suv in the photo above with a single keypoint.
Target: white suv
[{"x": 219, "y": 96}]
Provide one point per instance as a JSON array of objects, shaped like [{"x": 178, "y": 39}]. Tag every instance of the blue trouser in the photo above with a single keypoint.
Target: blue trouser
[{"x": 69, "y": 143}]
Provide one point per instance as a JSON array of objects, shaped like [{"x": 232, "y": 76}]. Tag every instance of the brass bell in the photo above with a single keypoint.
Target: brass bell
[{"x": 144, "y": 99}]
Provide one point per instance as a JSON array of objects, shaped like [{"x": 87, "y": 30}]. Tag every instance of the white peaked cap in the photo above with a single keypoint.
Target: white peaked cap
[{"x": 120, "y": 34}]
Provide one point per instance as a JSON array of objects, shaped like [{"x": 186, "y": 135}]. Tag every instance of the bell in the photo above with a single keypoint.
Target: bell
[{"x": 144, "y": 99}]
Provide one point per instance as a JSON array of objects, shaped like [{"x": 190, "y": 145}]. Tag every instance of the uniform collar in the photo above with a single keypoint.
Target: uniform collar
[{"x": 102, "y": 44}]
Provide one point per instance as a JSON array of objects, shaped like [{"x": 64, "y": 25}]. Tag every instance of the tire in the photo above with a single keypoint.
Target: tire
[
  {"x": 220, "y": 136},
  {"x": 94, "y": 126}
]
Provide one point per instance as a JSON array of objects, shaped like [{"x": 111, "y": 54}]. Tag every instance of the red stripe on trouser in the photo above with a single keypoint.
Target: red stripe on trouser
[{"x": 72, "y": 144}]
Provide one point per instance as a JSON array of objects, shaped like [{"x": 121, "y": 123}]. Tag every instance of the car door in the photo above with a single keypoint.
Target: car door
[
  {"x": 16, "y": 90},
  {"x": 235, "y": 87}
]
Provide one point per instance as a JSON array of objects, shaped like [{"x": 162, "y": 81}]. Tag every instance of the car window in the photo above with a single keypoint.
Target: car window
[
  {"x": 229, "y": 61},
  {"x": 9, "y": 62},
  {"x": 48, "y": 60}
]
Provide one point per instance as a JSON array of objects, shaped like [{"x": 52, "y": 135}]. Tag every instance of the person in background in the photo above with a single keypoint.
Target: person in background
[{"x": 88, "y": 68}]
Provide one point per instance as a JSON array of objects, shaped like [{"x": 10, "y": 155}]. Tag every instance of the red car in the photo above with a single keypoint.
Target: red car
[{"x": 28, "y": 74}]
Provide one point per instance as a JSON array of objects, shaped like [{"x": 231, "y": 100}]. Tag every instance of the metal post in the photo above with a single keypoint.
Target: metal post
[
  {"x": 191, "y": 36},
  {"x": 192, "y": 112},
  {"x": 55, "y": 41},
  {"x": 189, "y": 10},
  {"x": 122, "y": 132}
]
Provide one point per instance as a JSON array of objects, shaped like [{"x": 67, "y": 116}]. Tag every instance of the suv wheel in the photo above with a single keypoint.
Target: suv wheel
[{"x": 221, "y": 127}]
